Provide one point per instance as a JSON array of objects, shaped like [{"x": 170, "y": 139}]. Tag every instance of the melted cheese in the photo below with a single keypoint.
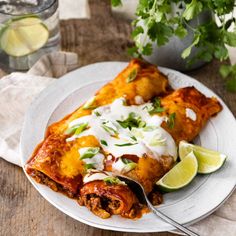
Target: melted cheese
[{"x": 70, "y": 165}]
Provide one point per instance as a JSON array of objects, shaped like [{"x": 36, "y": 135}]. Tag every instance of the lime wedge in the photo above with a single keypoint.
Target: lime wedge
[
  {"x": 180, "y": 175},
  {"x": 208, "y": 160},
  {"x": 24, "y": 35}
]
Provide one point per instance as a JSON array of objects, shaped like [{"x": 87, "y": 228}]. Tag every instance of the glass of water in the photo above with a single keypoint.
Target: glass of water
[{"x": 28, "y": 30}]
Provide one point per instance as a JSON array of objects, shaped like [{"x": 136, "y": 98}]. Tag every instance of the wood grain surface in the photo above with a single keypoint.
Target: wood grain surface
[{"x": 23, "y": 211}]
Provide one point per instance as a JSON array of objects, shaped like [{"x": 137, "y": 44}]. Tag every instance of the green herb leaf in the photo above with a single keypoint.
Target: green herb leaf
[
  {"x": 181, "y": 32},
  {"x": 188, "y": 50},
  {"x": 90, "y": 152},
  {"x": 171, "y": 120},
  {"x": 132, "y": 76},
  {"x": 112, "y": 180},
  {"x": 230, "y": 38},
  {"x": 116, "y": 3},
  {"x": 132, "y": 121},
  {"x": 76, "y": 129},
  {"x": 221, "y": 52},
  {"x": 133, "y": 51},
  {"x": 225, "y": 70},
  {"x": 147, "y": 49},
  {"x": 125, "y": 144},
  {"x": 103, "y": 142},
  {"x": 231, "y": 85},
  {"x": 192, "y": 9},
  {"x": 160, "y": 32},
  {"x": 138, "y": 30}
]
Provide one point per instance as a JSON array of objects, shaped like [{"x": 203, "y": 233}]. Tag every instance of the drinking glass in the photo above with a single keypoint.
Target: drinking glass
[{"x": 28, "y": 30}]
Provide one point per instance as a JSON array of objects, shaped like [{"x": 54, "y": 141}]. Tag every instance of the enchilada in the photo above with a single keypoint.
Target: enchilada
[{"x": 131, "y": 126}]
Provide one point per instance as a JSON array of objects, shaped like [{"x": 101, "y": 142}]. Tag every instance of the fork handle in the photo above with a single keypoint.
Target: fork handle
[{"x": 171, "y": 221}]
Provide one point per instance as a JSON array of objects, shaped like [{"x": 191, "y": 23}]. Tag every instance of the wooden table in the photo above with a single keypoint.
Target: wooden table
[{"x": 23, "y": 211}]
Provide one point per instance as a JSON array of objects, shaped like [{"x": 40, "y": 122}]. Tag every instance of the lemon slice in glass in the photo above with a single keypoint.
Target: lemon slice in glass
[
  {"x": 23, "y": 35},
  {"x": 180, "y": 175},
  {"x": 208, "y": 160}
]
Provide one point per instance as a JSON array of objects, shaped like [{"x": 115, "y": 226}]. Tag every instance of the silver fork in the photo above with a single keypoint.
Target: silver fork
[{"x": 138, "y": 189}]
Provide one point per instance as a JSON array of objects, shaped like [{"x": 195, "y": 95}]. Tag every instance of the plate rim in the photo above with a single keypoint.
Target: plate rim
[{"x": 65, "y": 77}]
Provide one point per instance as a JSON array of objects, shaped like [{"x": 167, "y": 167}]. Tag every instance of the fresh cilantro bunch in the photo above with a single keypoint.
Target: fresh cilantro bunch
[{"x": 159, "y": 20}]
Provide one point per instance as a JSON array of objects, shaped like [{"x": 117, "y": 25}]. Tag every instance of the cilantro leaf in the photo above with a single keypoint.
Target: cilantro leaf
[
  {"x": 225, "y": 70},
  {"x": 181, "y": 32},
  {"x": 147, "y": 49},
  {"x": 231, "y": 85},
  {"x": 188, "y": 50},
  {"x": 138, "y": 30},
  {"x": 116, "y": 3},
  {"x": 133, "y": 51},
  {"x": 192, "y": 9},
  {"x": 160, "y": 33},
  {"x": 230, "y": 38},
  {"x": 221, "y": 52}
]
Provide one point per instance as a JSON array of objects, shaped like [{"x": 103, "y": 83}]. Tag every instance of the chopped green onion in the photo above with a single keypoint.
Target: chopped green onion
[
  {"x": 113, "y": 180},
  {"x": 90, "y": 104},
  {"x": 97, "y": 113},
  {"x": 149, "y": 128},
  {"x": 156, "y": 107},
  {"x": 133, "y": 120},
  {"x": 71, "y": 130},
  {"x": 137, "y": 132},
  {"x": 171, "y": 120},
  {"x": 134, "y": 138},
  {"x": 126, "y": 161},
  {"x": 158, "y": 142},
  {"x": 125, "y": 144},
  {"x": 109, "y": 129},
  {"x": 132, "y": 76},
  {"x": 81, "y": 128},
  {"x": 130, "y": 166},
  {"x": 77, "y": 129},
  {"x": 89, "y": 166},
  {"x": 104, "y": 142},
  {"x": 90, "y": 152}
]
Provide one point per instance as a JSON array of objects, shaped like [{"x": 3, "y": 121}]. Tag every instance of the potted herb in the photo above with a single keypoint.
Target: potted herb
[{"x": 186, "y": 31}]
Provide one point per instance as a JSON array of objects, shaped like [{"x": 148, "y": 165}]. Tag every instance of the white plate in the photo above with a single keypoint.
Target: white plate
[{"x": 189, "y": 205}]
